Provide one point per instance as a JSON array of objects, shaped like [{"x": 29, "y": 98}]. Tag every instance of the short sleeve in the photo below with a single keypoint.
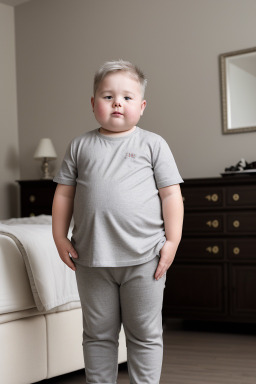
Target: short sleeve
[
  {"x": 165, "y": 169},
  {"x": 68, "y": 171}
]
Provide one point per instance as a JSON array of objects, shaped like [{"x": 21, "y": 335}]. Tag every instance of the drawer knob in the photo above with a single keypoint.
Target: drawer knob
[
  {"x": 236, "y": 224},
  {"x": 214, "y": 197},
  {"x": 236, "y": 250},
  {"x": 31, "y": 214},
  {"x": 213, "y": 223},
  {"x": 32, "y": 198},
  {"x": 236, "y": 197},
  {"x": 183, "y": 198},
  {"x": 215, "y": 249}
]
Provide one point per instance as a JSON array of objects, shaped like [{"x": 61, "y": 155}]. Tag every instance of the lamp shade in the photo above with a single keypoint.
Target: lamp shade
[{"x": 44, "y": 149}]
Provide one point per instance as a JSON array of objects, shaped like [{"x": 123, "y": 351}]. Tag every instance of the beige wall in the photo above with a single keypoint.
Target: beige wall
[
  {"x": 9, "y": 166},
  {"x": 60, "y": 44}
]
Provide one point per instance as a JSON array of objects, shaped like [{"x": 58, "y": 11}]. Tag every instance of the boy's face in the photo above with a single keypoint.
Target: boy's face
[{"x": 118, "y": 103}]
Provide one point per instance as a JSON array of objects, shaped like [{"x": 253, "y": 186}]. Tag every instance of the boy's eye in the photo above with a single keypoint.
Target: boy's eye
[
  {"x": 127, "y": 98},
  {"x": 108, "y": 97}
]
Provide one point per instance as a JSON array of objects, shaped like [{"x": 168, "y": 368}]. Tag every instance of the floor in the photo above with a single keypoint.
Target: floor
[{"x": 198, "y": 353}]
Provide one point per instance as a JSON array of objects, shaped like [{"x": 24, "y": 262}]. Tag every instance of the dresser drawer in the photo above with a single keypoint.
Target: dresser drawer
[
  {"x": 241, "y": 196},
  {"x": 200, "y": 249},
  {"x": 195, "y": 288},
  {"x": 208, "y": 223},
  {"x": 241, "y": 249},
  {"x": 37, "y": 196},
  {"x": 241, "y": 223},
  {"x": 202, "y": 197},
  {"x": 243, "y": 290},
  {"x": 35, "y": 211}
]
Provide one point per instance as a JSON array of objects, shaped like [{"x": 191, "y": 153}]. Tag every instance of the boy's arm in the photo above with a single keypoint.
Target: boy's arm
[
  {"x": 62, "y": 210},
  {"x": 172, "y": 208}
]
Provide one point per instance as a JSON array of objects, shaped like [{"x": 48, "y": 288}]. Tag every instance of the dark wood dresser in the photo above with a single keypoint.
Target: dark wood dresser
[
  {"x": 213, "y": 276},
  {"x": 36, "y": 197}
]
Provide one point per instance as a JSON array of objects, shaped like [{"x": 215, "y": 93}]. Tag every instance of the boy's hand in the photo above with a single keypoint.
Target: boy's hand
[
  {"x": 167, "y": 255},
  {"x": 66, "y": 249}
]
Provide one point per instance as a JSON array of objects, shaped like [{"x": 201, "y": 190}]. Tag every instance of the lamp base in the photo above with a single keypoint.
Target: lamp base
[{"x": 45, "y": 169}]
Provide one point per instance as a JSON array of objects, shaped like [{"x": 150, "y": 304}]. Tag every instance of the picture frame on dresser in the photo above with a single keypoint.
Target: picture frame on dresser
[{"x": 213, "y": 276}]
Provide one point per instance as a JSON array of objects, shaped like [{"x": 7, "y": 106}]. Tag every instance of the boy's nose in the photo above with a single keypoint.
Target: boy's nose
[{"x": 117, "y": 103}]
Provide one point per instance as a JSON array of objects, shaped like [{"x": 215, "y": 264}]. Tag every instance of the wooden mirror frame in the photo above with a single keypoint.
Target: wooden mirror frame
[{"x": 226, "y": 128}]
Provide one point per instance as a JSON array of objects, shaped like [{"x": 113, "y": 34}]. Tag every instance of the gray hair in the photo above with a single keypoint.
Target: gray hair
[{"x": 119, "y": 65}]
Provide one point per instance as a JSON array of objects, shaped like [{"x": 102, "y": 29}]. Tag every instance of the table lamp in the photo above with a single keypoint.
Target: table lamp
[{"x": 45, "y": 151}]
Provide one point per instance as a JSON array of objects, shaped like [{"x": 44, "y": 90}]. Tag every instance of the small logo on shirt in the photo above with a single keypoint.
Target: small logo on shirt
[{"x": 130, "y": 155}]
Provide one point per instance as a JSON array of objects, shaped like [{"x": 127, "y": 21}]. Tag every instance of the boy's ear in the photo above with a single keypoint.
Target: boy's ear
[
  {"x": 143, "y": 106},
  {"x": 92, "y": 103}
]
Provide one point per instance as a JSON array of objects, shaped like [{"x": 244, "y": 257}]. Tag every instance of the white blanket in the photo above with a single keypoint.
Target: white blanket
[{"x": 52, "y": 282}]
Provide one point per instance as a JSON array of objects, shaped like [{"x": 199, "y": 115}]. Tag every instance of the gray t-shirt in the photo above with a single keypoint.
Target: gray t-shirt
[{"x": 117, "y": 210}]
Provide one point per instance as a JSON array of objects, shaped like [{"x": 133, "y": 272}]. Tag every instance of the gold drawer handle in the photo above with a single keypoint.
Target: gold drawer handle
[
  {"x": 213, "y": 223},
  {"x": 236, "y": 224},
  {"x": 215, "y": 249},
  {"x": 214, "y": 197},
  {"x": 32, "y": 198},
  {"x": 183, "y": 198},
  {"x": 236, "y": 197},
  {"x": 236, "y": 250},
  {"x": 31, "y": 214}
]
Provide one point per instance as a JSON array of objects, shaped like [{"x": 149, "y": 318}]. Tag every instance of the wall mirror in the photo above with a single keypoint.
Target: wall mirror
[{"x": 238, "y": 90}]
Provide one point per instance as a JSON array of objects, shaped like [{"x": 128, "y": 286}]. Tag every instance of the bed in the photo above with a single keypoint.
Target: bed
[{"x": 40, "y": 312}]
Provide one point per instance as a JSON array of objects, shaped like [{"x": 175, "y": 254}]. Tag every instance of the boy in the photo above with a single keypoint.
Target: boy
[{"x": 122, "y": 185}]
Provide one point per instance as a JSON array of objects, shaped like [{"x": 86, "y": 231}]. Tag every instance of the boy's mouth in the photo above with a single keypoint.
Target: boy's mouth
[{"x": 116, "y": 113}]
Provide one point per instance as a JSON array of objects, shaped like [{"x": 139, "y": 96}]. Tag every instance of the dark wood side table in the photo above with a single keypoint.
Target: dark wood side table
[{"x": 36, "y": 197}]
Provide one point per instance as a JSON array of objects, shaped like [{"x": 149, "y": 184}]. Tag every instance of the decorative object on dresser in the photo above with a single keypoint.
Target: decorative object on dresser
[
  {"x": 213, "y": 276},
  {"x": 241, "y": 167},
  {"x": 45, "y": 151},
  {"x": 36, "y": 197}
]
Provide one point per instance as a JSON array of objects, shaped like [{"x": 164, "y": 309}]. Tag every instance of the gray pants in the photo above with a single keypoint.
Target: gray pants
[{"x": 128, "y": 295}]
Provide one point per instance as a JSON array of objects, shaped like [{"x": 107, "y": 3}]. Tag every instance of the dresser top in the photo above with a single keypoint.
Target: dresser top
[{"x": 222, "y": 181}]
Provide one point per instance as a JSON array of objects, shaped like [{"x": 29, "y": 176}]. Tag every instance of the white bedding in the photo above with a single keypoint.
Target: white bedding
[
  {"x": 52, "y": 282},
  {"x": 15, "y": 291}
]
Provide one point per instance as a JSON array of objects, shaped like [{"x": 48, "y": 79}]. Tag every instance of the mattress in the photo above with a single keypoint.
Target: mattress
[{"x": 16, "y": 299}]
